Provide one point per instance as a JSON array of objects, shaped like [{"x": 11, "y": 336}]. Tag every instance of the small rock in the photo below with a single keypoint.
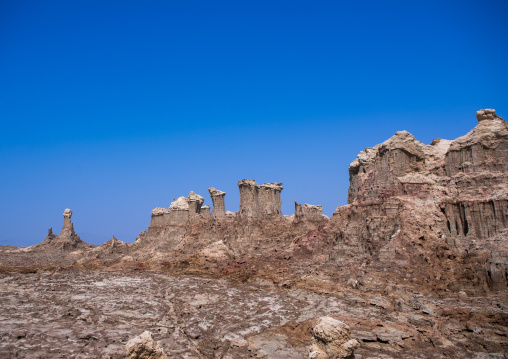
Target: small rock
[{"x": 144, "y": 347}]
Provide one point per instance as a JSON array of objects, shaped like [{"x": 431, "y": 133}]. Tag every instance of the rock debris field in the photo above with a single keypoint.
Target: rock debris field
[{"x": 83, "y": 314}]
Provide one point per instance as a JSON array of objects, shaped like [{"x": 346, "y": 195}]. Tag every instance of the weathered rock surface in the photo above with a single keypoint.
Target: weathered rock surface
[
  {"x": 445, "y": 203},
  {"x": 66, "y": 240},
  {"x": 259, "y": 202},
  {"x": 309, "y": 213},
  {"x": 219, "y": 210},
  {"x": 94, "y": 313},
  {"x": 331, "y": 339},
  {"x": 144, "y": 347}
]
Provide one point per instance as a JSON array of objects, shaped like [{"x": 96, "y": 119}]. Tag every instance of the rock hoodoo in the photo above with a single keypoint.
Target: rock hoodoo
[
  {"x": 67, "y": 239},
  {"x": 219, "y": 210},
  {"x": 259, "y": 202}
]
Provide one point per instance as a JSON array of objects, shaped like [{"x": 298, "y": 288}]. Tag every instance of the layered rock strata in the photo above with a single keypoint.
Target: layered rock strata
[{"x": 436, "y": 202}]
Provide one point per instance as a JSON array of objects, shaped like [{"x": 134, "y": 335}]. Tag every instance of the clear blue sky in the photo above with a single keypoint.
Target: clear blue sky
[{"x": 112, "y": 108}]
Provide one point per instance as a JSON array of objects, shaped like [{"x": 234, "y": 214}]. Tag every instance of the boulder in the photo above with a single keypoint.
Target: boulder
[
  {"x": 144, "y": 347},
  {"x": 331, "y": 338}
]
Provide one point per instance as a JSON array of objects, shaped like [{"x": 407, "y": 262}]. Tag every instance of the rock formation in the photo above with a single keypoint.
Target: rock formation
[
  {"x": 144, "y": 347},
  {"x": 441, "y": 207},
  {"x": 309, "y": 212},
  {"x": 67, "y": 239},
  {"x": 331, "y": 339},
  {"x": 448, "y": 199},
  {"x": 195, "y": 201},
  {"x": 259, "y": 202},
  {"x": 219, "y": 210},
  {"x": 181, "y": 211},
  {"x": 249, "y": 207},
  {"x": 114, "y": 245},
  {"x": 269, "y": 200}
]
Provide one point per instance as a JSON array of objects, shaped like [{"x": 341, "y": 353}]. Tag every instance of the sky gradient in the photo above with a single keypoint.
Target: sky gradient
[{"x": 112, "y": 108}]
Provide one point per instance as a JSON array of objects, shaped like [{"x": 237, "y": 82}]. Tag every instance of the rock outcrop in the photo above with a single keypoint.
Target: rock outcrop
[
  {"x": 331, "y": 339},
  {"x": 259, "y": 202},
  {"x": 114, "y": 245},
  {"x": 448, "y": 199},
  {"x": 440, "y": 208},
  {"x": 181, "y": 212},
  {"x": 309, "y": 212},
  {"x": 67, "y": 239},
  {"x": 219, "y": 210},
  {"x": 144, "y": 347}
]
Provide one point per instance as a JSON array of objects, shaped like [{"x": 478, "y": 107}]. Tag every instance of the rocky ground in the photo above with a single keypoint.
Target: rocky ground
[{"x": 93, "y": 313}]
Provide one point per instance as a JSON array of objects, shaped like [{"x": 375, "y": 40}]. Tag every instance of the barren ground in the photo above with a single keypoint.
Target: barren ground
[{"x": 92, "y": 314}]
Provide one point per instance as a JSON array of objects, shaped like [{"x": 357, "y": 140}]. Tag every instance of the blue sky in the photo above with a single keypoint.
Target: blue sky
[{"x": 112, "y": 108}]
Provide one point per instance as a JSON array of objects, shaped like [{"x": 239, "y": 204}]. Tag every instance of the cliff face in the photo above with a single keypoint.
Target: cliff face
[{"x": 444, "y": 200}]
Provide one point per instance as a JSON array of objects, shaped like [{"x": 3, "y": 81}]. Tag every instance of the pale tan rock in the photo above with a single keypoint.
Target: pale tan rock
[
  {"x": 269, "y": 202},
  {"x": 216, "y": 251},
  {"x": 308, "y": 212},
  {"x": 179, "y": 204},
  {"x": 451, "y": 195},
  {"x": 374, "y": 173},
  {"x": 144, "y": 347},
  {"x": 195, "y": 201},
  {"x": 67, "y": 239},
  {"x": 159, "y": 211},
  {"x": 115, "y": 243},
  {"x": 486, "y": 114},
  {"x": 219, "y": 209},
  {"x": 249, "y": 207},
  {"x": 205, "y": 210},
  {"x": 331, "y": 338},
  {"x": 195, "y": 197}
]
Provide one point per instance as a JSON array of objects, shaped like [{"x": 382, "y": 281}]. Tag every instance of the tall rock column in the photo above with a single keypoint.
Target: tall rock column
[
  {"x": 195, "y": 202},
  {"x": 67, "y": 228},
  {"x": 249, "y": 193},
  {"x": 67, "y": 239},
  {"x": 269, "y": 202},
  {"x": 218, "y": 210}
]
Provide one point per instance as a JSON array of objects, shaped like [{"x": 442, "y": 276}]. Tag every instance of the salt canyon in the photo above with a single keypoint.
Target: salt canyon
[{"x": 415, "y": 265}]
